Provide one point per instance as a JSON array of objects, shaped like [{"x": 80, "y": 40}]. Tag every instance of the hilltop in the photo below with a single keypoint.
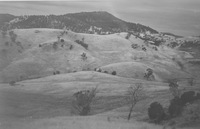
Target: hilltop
[{"x": 85, "y": 22}]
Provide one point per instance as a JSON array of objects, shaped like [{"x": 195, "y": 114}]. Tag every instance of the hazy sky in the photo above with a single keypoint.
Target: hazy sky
[{"x": 177, "y": 16}]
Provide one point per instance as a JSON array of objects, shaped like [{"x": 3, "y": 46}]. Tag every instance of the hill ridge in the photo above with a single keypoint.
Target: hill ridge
[{"x": 96, "y": 22}]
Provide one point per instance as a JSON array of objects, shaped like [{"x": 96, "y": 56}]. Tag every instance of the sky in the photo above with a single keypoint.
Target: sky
[{"x": 181, "y": 17}]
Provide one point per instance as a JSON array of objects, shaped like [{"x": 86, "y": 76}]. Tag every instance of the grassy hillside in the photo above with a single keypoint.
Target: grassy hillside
[{"x": 38, "y": 52}]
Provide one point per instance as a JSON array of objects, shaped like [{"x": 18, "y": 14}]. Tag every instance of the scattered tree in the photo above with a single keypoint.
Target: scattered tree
[
  {"x": 71, "y": 47},
  {"x": 134, "y": 46},
  {"x": 57, "y": 72},
  {"x": 83, "y": 55},
  {"x": 144, "y": 49},
  {"x": 55, "y": 45},
  {"x": 62, "y": 40},
  {"x": 149, "y": 75},
  {"x": 114, "y": 73},
  {"x": 12, "y": 83},
  {"x": 128, "y": 35},
  {"x": 105, "y": 71}
]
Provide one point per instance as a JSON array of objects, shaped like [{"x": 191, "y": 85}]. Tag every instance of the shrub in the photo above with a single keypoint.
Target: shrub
[
  {"x": 188, "y": 97},
  {"x": 57, "y": 72},
  {"x": 173, "y": 87},
  {"x": 156, "y": 112},
  {"x": 4, "y": 29},
  {"x": 175, "y": 107},
  {"x": 134, "y": 46},
  {"x": 149, "y": 75},
  {"x": 155, "y": 48},
  {"x": 128, "y": 35},
  {"x": 13, "y": 36},
  {"x": 82, "y": 101},
  {"x": 40, "y": 45},
  {"x": 191, "y": 112},
  {"x": 191, "y": 81},
  {"x": 55, "y": 45},
  {"x": 144, "y": 49},
  {"x": 12, "y": 83},
  {"x": 114, "y": 73},
  {"x": 198, "y": 96},
  {"x": 62, "y": 40},
  {"x": 105, "y": 71},
  {"x": 71, "y": 47},
  {"x": 82, "y": 44},
  {"x": 83, "y": 56},
  {"x": 19, "y": 44}
]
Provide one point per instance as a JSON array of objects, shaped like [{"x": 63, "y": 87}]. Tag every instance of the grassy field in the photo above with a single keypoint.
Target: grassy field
[{"x": 46, "y": 102}]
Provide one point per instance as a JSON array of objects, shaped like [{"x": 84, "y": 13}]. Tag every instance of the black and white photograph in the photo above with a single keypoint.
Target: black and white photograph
[{"x": 100, "y": 64}]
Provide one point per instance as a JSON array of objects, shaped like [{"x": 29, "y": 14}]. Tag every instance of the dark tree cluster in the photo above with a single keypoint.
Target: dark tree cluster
[
  {"x": 100, "y": 70},
  {"x": 173, "y": 44},
  {"x": 82, "y": 44},
  {"x": 135, "y": 46},
  {"x": 157, "y": 113},
  {"x": 82, "y": 101}
]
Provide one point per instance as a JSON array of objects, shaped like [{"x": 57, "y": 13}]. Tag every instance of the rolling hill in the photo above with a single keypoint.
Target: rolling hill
[
  {"x": 39, "y": 52},
  {"x": 44, "y": 60}
]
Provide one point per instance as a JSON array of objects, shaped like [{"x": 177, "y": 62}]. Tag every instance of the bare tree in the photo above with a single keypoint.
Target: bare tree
[{"x": 135, "y": 94}]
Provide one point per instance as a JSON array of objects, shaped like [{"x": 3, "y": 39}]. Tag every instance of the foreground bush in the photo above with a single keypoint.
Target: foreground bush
[
  {"x": 81, "y": 103},
  {"x": 156, "y": 112}
]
